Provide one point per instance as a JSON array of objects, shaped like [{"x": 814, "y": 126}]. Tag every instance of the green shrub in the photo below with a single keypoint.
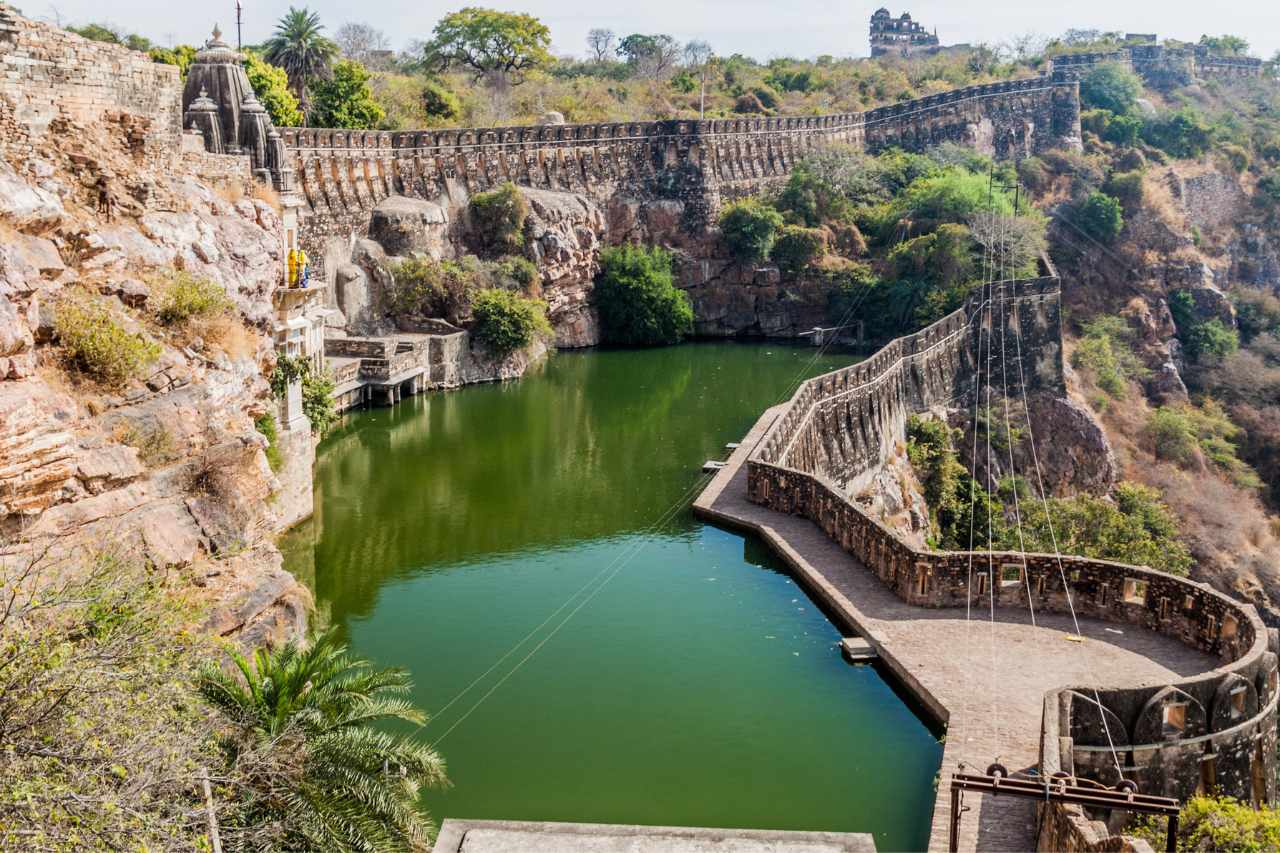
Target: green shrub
[
  {"x": 266, "y": 424},
  {"x": 1127, "y": 187},
  {"x": 1218, "y": 823},
  {"x": 1110, "y": 86},
  {"x": 344, "y": 99},
  {"x": 498, "y": 218},
  {"x": 439, "y": 103},
  {"x": 750, "y": 228},
  {"x": 953, "y": 195},
  {"x": 95, "y": 342},
  {"x": 1135, "y": 527},
  {"x": 1200, "y": 338},
  {"x": 1182, "y": 434},
  {"x": 154, "y": 442},
  {"x": 1100, "y": 216},
  {"x": 1172, "y": 435},
  {"x": 766, "y": 96},
  {"x": 417, "y": 287},
  {"x": 1123, "y": 130},
  {"x": 271, "y": 86},
  {"x": 1237, "y": 158},
  {"x": 184, "y": 296},
  {"x": 638, "y": 301},
  {"x": 1269, "y": 186},
  {"x": 317, "y": 390},
  {"x": 812, "y": 198},
  {"x": 521, "y": 271},
  {"x": 506, "y": 321},
  {"x": 958, "y": 507},
  {"x": 1033, "y": 174},
  {"x": 797, "y": 247},
  {"x": 1183, "y": 133},
  {"x": 1106, "y": 351},
  {"x": 1257, "y": 313}
]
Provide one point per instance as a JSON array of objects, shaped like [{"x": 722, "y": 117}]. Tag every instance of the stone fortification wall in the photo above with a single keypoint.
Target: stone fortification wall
[
  {"x": 1157, "y": 62},
  {"x": 48, "y": 74},
  {"x": 839, "y": 427},
  {"x": 344, "y": 174}
]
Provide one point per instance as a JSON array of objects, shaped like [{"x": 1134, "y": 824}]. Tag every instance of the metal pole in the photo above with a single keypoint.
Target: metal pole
[
  {"x": 239, "y": 41},
  {"x": 1171, "y": 841},
  {"x": 953, "y": 839}
]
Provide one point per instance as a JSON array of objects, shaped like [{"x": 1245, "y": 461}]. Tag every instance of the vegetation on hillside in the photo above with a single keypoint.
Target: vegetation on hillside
[
  {"x": 1132, "y": 525},
  {"x": 114, "y": 718}
]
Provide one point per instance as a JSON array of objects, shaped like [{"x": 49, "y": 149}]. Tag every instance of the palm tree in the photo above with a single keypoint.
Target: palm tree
[
  {"x": 313, "y": 771},
  {"x": 298, "y": 47}
]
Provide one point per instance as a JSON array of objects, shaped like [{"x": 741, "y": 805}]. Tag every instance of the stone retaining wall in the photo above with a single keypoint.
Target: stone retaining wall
[
  {"x": 47, "y": 73},
  {"x": 344, "y": 174},
  {"x": 839, "y": 427}
]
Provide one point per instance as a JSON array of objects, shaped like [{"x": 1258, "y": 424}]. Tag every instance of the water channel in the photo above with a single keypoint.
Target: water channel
[{"x": 695, "y": 685}]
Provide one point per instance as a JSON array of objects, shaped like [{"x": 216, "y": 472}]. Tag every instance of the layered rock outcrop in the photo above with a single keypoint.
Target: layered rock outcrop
[{"x": 97, "y": 207}]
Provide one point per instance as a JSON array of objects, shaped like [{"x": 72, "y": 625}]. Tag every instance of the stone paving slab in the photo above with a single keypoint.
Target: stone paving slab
[
  {"x": 502, "y": 836},
  {"x": 984, "y": 679}
]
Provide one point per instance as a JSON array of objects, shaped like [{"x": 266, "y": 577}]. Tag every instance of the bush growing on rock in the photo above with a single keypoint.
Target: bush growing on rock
[
  {"x": 1183, "y": 133},
  {"x": 1127, "y": 187},
  {"x": 1106, "y": 351},
  {"x": 1100, "y": 216},
  {"x": 797, "y": 247},
  {"x": 506, "y": 321},
  {"x": 498, "y": 218},
  {"x": 96, "y": 343},
  {"x": 750, "y": 228},
  {"x": 184, "y": 297},
  {"x": 638, "y": 301}
]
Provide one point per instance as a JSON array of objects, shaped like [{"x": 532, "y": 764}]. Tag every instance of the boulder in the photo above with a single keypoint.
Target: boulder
[
  {"x": 26, "y": 207},
  {"x": 403, "y": 225}
]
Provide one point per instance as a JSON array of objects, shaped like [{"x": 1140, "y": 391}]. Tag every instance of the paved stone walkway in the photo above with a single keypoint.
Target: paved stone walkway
[{"x": 986, "y": 680}]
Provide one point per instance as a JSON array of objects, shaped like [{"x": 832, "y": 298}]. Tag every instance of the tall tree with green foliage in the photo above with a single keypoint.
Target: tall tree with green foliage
[
  {"x": 304, "y": 727},
  {"x": 498, "y": 47},
  {"x": 302, "y": 50},
  {"x": 271, "y": 86},
  {"x": 345, "y": 99}
]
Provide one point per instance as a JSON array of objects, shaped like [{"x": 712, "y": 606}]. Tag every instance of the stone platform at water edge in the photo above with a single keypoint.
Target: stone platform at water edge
[
  {"x": 991, "y": 701},
  {"x": 510, "y": 836}
]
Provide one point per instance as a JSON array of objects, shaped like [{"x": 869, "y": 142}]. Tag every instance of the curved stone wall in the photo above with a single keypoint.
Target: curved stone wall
[{"x": 1215, "y": 729}]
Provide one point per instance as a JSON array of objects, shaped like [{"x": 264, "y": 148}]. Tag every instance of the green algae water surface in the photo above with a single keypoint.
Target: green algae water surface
[{"x": 698, "y": 686}]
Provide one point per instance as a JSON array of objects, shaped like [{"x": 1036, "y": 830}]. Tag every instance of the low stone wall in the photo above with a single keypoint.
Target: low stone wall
[{"x": 1216, "y": 729}]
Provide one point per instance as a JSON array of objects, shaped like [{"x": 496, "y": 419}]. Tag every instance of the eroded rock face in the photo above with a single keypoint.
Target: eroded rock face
[
  {"x": 169, "y": 466},
  {"x": 566, "y": 233},
  {"x": 1071, "y": 452},
  {"x": 403, "y": 226}
]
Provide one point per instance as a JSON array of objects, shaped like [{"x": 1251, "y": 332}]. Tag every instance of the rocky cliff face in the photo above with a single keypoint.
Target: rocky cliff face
[{"x": 168, "y": 464}]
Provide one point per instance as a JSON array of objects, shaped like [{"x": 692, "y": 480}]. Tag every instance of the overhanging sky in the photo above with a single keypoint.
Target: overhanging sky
[{"x": 803, "y": 28}]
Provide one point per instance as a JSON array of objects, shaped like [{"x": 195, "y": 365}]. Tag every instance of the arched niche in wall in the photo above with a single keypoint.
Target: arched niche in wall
[
  {"x": 1171, "y": 714},
  {"x": 1087, "y": 719},
  {"x": 1235, "y": 701}
]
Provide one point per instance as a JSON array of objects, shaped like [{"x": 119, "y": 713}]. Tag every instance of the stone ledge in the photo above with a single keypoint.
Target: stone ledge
[{"x": 511, "y": 836}]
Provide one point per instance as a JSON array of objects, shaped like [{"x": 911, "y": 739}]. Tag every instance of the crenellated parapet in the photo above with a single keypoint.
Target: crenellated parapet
[
  {"x": 1217, "y": 728},
  {"x": 342, "y": 174},
  {"x": 1159, "y": 63}
]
